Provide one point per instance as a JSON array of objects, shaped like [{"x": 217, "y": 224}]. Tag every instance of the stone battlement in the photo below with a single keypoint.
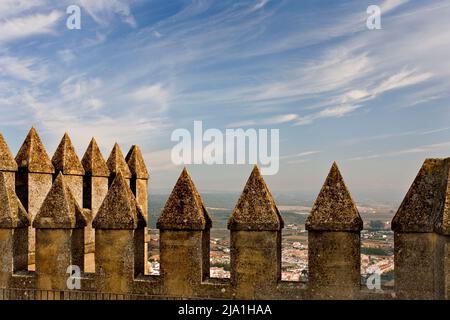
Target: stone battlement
[{"x": 53, "y": 211}]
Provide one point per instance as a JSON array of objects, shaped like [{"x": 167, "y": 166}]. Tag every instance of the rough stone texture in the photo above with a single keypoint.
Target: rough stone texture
[
  {"x": 255, "y": 263},
  {"x": 334, "y": 209},
  {"x": 7, "y": 162},
  {"x": 442, "y": 223},
  {"x": 181, "y": 258},
  {"x": 119, "y": 217},
  {"x": 423, "y": 205},
  {"x": 184, "y": 210},
  {"x": 442, "y": 280},
  {"x": 136, "y": 163},
  {"x": 116, "y": 163},
  {"x": 59, "y": 228},
  {"x": 98, "y": 193},
  {"x": 33, "y": 180},
  {"x": 32, "y": 156},
  {"x": 256, "y": 209},
  {"x": 65, "y": 159},
  {"x": 415, "y": 265},
  {"x": 114, "y": 260},
  {"x": 95, "y": 187},
  {"x": 93, "y": 162},
  {"x": 333, "y": 264},
  {"x": 75, "y": 184},
  {"x": 119, "y": 210},
  {"x": 14, "y": 254},
  {"x": 139, "y": 187},
  {"x": 53, "y": 257},
  {"x": 14, "y": 222},
  {"x": 6, "y": 258},
  {"x": 59, "y": 209},
  {"x": 12, "y": 213}
]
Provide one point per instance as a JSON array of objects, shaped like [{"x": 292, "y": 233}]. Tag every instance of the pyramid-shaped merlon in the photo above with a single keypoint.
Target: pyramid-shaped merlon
[
  {"x": 32, "y": 155},
  {"x": 334, "y": 209},
  {"x": 136, "y": 163},
  {"x": 65, "y": 158},
  {"x": 7, "y": 162},
  {"x": 184, "y": 210},
  {"x": 119, "y": 209},
  {"x": 425, "y": 202},
  {"x": 442, "y": 225},
  {"x": 59, "y": 209},
  {"x": 256, "y": 209},
  {"x": 12, "y": 212},
  {"x": 93, "y": 162},
  {"x": 116, "y": 162}
]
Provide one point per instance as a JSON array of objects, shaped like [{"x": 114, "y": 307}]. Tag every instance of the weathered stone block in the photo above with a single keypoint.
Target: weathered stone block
[
  {"x": 255, "y": 263},
  {"x": 334, "y": 264}
]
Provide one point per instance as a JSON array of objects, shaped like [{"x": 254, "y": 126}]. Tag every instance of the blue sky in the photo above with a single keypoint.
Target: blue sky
[{"x": 376, "y": 101}]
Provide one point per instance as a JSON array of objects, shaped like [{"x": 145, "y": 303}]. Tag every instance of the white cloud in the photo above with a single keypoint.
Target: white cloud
[
  {"x": 400, "y": 80},
  {"x": 389, "y": 5},
  {"x": 278, "y": 119},
  {"x": 332, "y": 112},
  {"x": 103, "y": 11},
  {"x": 420, "y": 149},
  {"x": 22, "y": 69},
  {"x": 66, "y": 55},
  {"x": 21, "y": 27},
  {"x": 9, "y": 8},
  {"x": 79, "y": 87},
  {"x": 153, "y": 96},
  {"x": 260, "y": 4}
]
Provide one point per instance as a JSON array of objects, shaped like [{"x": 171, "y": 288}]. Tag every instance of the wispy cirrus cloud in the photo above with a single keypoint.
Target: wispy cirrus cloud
[
  {"x": 103, "y": 11},
  {"x": 22, "y": 69},
  {"x": 29, "y": 25}
]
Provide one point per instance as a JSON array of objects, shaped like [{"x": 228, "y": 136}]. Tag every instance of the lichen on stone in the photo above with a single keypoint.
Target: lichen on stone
[
  {"x": 184, "y": 210},
  {"x": 59, "y": 210},
  {"x": 119, "y": 209},
  {"x": 7, "y": 162},
  {"x": 334, "y": 209},
  {"x": 65, "y": 158},
  {"x": 93, "y": 162},
  {"x": 116, "y": 162},
  {"x": 32, "y": 156},
  {"x": 136, "y": 163},
  {"x": 425, "y": 207},
  {"x": 256, "y": 209},
  {"x": 12, "y": 212}
]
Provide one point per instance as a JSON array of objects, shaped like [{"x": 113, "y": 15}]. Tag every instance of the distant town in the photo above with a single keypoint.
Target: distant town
[{"x": 377, "y": 244}]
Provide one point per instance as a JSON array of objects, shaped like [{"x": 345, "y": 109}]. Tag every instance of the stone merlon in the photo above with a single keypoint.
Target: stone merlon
[
  {"x": 184, "y": 210},
  {"x": 65, "y": 158},
  {"x": 256, "y": 209},
  {"x": 59, "y": 209},
  {"x": 119, "y": 210},
  {"x": 334, "y": 209},
  {"x": 116, "y": 162},
  {"x": 93, "y": 162},
  {"x": 7, "y": 162},
  {"x": 136, "y": 163},
  {"x": 426, "y": 206},
  {"x": 32, "y": 155},
  {"x": 12, "y": 213}
]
